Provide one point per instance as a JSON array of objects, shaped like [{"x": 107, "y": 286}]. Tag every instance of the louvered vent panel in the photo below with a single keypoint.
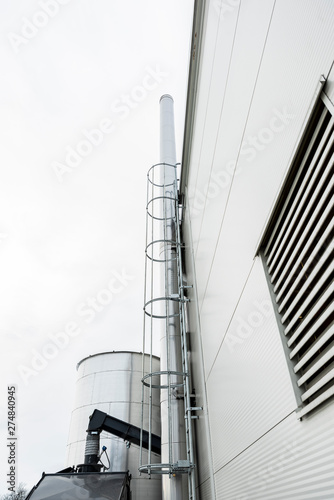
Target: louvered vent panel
[{"x": 298, "y": 252}]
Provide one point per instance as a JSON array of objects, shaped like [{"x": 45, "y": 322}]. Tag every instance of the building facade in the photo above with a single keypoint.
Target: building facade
[{"x": 257, "y": 166}]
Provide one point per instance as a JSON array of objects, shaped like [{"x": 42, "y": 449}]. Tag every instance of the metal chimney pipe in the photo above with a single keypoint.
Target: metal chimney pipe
[
  {"x": 173, "y": 444},
  {"x": 167, "y": 131}
]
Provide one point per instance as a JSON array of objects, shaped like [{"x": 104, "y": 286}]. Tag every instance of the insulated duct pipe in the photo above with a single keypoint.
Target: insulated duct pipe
[
  {"x": 173, "y": 447},
  {"x": 92, "y": 453}
]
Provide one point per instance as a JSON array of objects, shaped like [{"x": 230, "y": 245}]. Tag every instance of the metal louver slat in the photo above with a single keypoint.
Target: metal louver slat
[
  {"x": 325, "y": 314},
  {"x": 327, "y": 356},
  {"x": 322, "y": 205},
  {"x": 307, "y": 301},
  {"x": 320, "y": 399},
  {"x": 309, "y": 280},
  {"x": 323, "y": 381},
  {"x": 307, "y": 211},
  {"x": 286, "y": 277},
  {"x": 325, "y": 337},
  {"x": 307, "y": 153},
  {"x": 307, "y": 264},
  {"x": 297, "y": 253},
  {"x": 310, "y": 316},
  {"x": 284, "y": 232}
]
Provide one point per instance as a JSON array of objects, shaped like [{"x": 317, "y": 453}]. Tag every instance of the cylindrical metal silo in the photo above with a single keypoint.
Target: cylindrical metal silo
[{"x": 111, "y": 382}]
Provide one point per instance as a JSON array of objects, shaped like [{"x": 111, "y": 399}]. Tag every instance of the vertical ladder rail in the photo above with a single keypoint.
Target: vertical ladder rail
[{"x": 187, "y": 402}]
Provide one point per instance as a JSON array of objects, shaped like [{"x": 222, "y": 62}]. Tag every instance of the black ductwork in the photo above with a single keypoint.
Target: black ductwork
[{"x": 100, "y": 421}]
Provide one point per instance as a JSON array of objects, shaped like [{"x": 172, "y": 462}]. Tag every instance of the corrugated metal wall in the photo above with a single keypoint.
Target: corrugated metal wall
[{"x": 261, "y": 62}]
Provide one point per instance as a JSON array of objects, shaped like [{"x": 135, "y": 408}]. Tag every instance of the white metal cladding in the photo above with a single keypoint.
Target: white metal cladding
[
  {"x": 205, "y": 490},
  {"x": 204, "y": 466},
  {"x": 254, "y": 68},
  {"x": 294, "y": 461},
  {"x": 249, "y": 387},
  {"x": 111, "y": 382},
  {"x": 248, "y": 82},
  {"x": 298, "y": 251}
]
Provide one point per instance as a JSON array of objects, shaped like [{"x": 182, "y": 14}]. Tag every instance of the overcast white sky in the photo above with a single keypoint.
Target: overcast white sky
[{"x": 80, "y": 88}]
